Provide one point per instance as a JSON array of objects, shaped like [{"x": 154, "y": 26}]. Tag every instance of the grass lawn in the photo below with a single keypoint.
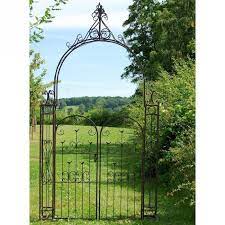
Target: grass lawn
[{"x": 168, "y": 213}]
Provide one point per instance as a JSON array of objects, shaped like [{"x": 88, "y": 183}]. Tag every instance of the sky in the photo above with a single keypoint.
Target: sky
[{"x": 94, "y": 69}]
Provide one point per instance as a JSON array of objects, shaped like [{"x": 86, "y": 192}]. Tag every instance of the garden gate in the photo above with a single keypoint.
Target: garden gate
[{"x": 93, "y": 172}]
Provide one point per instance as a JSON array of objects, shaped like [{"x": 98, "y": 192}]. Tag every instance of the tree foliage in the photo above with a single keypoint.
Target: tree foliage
[
  {"x": 36, "y": 22},
  {"x": 162, "y": 37},
  {"x": 37, "y": 70},
  {"x": 110, "y": 111},
  {"x": 36, "y": 84},
  {"x": 111, "y": 103},
  {"x": 159, "y": 32},
  {"x": 176, "y": 94}
]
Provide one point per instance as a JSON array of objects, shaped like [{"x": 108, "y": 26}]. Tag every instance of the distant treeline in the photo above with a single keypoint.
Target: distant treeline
[
  {"x": 112, "y": 103},
  {"x": 108, "y": 111}
]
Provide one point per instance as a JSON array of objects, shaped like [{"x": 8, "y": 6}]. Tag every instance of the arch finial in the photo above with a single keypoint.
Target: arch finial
[
  {"x": 99, "y": 31},
  {"x": 49, "y": 97},
  {"x": 99, "y": 13}
]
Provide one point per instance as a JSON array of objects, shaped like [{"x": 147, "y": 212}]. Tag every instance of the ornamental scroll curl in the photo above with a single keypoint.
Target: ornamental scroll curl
[
  {"x": 49, "y": 99},
  {"x": 99, "y": 13},
  {"x": 76, "y": 120},
  {"x": 99, "y": 31},
  {"x": 78, "y": 176},
  {"x": 47, "y": 154},
  {"x": 60, "y": 130}
]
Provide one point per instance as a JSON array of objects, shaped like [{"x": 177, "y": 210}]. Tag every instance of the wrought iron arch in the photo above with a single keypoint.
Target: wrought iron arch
[{"x": 98, "y": 32}]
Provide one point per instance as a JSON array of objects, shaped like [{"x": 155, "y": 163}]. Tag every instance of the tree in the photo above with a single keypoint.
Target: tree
[
  {"x": 176, "y": 94},
  {"x": 81, "y": 109},
  {"x": 100, "y": 116},
  {"x": 70, "y": 111},
  {"x": 36, "y": 85},
  {"x": 100, "y": 102},
  {"x": 37, "y": 72},
  {"x": 62, "y": 104},
  {"x": 162, "y": 37},
  {"x": 159, "y": 32},
  {"x": 36, "y": 22}
]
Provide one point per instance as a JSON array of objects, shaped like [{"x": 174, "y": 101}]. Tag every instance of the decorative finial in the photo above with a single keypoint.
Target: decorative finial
[
  {"x": 99, "y": 13},
  {"x": 99, "y": 31},
  {"x": 49, "y": 98}
]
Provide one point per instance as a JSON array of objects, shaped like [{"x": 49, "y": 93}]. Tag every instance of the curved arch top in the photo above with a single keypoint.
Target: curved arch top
[{"x": 99, "y": 32}]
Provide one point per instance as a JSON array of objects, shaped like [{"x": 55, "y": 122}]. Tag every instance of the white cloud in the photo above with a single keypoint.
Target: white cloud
[
  {"x": 85, "y": 21},
  {"x": 77, "y": 14}
]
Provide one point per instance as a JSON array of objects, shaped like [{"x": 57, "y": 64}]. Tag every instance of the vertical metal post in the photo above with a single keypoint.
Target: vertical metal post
[
  {"x": 82, "y": 189},
  {"x": 68, "y": 189},
  {"x": 107, "y": 177},
  {"x": 61, "y": 204},
  {"x": 96, "y": 198},
  {"x": 143, "y": 152},
  {"x": 99, "y": 183},
  {"x": 121, "y": 171},
  {"x": 114, "y": 183},
  {"x": 75, "y": 186},
  {"x": 128, "y": 178},
  {"x": 41, "y": 164},
  {"x": 157, "y": 158},
  {"x": 89, "y": 182},
  {"x": 53, "y": 158}
]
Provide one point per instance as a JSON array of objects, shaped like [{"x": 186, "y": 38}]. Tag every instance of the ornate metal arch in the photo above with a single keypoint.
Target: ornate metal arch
[{"x": 98, "y": 32}]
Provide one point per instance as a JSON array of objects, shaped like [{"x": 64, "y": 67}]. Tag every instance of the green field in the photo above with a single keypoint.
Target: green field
[{"x": 168, "y": 213}]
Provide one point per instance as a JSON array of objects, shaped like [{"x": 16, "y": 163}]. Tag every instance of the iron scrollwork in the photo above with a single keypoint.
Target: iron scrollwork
[
  {"x": 75, "y": 176},
  {"x": 48, "y": 100},
  {"x": 47, "y": 154},
  {"x": 98, "y": 31},
  {"x": 99, "y": 13}
]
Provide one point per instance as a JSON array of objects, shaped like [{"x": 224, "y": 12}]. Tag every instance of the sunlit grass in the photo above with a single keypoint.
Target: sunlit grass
[{"x": 168, "y": 213}]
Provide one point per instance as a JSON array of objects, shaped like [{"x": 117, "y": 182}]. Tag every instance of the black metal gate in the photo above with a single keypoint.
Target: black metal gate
[{"x": 97, "y": 172}]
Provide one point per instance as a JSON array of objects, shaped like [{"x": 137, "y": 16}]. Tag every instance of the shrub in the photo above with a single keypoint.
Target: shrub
[{"x": 176, "y": 94}]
